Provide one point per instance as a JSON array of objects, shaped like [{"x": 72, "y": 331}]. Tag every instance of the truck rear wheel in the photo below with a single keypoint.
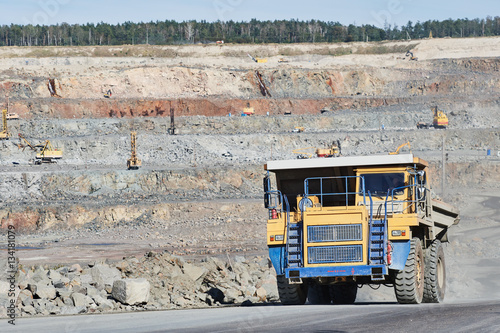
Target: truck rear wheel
[
  {"x": 344, "y": 293},
  {"x": 291, "y": 294},
  {"x": 435, "y": 273},
  {"x": 409, "y": 283},
  {"x": 318, "y": 294}
]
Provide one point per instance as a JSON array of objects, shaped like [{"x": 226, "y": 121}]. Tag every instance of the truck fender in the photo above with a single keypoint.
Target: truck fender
[
  {"x": 277, "y": 256},
  {"x": 400, "y": 252}
]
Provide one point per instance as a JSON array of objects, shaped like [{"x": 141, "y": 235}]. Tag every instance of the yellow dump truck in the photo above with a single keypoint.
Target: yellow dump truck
[{"x": 337, "y": 223}]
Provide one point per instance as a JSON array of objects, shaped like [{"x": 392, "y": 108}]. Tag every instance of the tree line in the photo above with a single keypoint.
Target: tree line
[{"x": 254, "y": 31}]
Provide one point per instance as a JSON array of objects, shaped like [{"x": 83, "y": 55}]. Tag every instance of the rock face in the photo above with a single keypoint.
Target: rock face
[{"x": 131, "y": 291}]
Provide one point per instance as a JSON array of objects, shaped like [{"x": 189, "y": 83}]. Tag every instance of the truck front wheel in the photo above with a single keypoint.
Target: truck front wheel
[
  {"x": 318, "y": 294},
  {"x": 409, "y": 283},
  {"x": 435, "y": 273},
  {"x": 344, "y": 293},
  {"x": 291, "y": 294}
]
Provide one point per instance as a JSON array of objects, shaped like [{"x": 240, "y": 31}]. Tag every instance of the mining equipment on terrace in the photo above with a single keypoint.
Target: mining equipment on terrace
[
  {"x": 133, "y": 163},
  {"x": 399, "y": 148},
  {"x": 48, "y": 154},
  {"x": 4, "y": 134},
  {"x": 332, "y": 151},
  {"x": 440, "y": 120},
  {"x": 172, "y": 128}
]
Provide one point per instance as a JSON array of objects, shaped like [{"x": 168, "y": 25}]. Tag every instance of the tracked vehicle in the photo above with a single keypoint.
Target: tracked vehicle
[{"x": 337, "y": 223}]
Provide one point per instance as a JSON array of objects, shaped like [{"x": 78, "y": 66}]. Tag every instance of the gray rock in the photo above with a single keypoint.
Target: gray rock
[
  {"x": 231, "y": 295},
  {"x": 91, "y": 291},
  {"x": 54, "y": 275},
  {"x": 75, "y": 268},
  {"x": 58, "y": 284},
  {"x": 80, "y": 290},
  {"x": 67, "y": 300},
  {"x": 261, "y": 294},
  {"x": 195, "y": 273},
  {"x": 59, "y": 302},
  {"x": 40, "y": 305},
  {"x": 53, "y": 309},
  {"x": 44, "y": 292},
  {"x": 73, "y": 310},
  {"x": 29, "y": 310},
  {"x": 131, "y": 291},
  {"x": 240, "y": 259},
  {"x": 103, "y": 304},
  {"x": 25, "y": 297},
  {"x": 81, "y": 300},
  {"x": 4, "y": 287},
  {"x": 63, "y": 270},
  {"x": 63, "y": 292},
  {"x": 271, "y": 291},
  {"x": 87, "y": 278},
  {"x": 103, "y": 274}
]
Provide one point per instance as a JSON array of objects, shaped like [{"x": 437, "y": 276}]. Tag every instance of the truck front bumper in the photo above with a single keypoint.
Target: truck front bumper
[{"x": 363, "y": 270}]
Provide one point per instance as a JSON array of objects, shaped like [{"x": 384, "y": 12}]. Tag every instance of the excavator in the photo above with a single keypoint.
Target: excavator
[
  {"x": 440, "y": 120},
  {"x": 48, "y": 154},
  {"x": 332, "y": 151},
  {"x": 410, "y": 54},
  {"x": 27, "y": 143},
  {"x": 4, "y": 134},
  {"x": 399, "y": 148}
]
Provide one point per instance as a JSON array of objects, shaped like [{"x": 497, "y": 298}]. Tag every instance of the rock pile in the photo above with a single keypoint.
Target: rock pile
[{"x": 155, "y": 281}]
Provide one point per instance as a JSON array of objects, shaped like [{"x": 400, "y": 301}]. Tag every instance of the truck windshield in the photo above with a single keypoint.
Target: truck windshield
[{"x": 380, "y": 183}]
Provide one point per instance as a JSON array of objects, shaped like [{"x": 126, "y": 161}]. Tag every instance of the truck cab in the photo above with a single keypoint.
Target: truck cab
[{"x": 336, "y": 223}]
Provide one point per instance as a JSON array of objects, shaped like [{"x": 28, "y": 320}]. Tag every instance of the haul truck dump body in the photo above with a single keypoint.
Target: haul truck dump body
[{"x": 336, "y": 223}]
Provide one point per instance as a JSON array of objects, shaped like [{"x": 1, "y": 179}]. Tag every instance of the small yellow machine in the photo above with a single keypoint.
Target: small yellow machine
[
  {"x": 133, "y": 163},
  {"x": 48, "y": 154},
  {"x": 440, "y": 120},
  {"x": 399, "y": 148},
  {"x": 332, "y": 151},
  {"x": 4, "y": 134}
]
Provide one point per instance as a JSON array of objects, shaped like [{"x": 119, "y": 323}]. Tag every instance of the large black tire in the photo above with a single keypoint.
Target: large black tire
[
  {"x": 318, "y": 294},
  {"x": 291, "y": 294},
  {"x": 344, "y": 293},
  {"x": 435, "y": 273},
  {"x": 409, "y": 283}
]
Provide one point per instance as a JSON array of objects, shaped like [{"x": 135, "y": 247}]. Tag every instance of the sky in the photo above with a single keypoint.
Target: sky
[{"x": 375, "y": 12}]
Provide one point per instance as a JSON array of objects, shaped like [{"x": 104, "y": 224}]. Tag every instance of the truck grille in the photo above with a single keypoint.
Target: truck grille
[
  {"x": 334, "y": 254},
  {"x": 334, "y": 233}
]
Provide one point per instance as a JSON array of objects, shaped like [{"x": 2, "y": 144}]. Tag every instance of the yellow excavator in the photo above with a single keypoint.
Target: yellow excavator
[
  {"x": 332, "y": 151},
  {"x": 440, "y": 120},
  {"x": 27, "y": 143},
  {"x": 4, "y": 134},
  {"x": 48, "y": 154},
  {"x": 399, "y": 148}
]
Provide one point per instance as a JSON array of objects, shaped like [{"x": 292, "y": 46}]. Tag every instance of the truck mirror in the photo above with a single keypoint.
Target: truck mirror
[
  {"x": 267, "y": 184},
  {"x": 267, "y": 188}
]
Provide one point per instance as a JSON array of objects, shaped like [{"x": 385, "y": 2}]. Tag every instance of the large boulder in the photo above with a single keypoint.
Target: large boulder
[
  {"x": 131, "y": 291},
  {"x": 103, "y": 274}
]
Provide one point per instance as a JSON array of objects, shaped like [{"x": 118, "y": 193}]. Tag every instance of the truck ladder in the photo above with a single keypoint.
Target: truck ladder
[
  {"x": 293, "y": 241},
  {"x": 377, "y": 243}
]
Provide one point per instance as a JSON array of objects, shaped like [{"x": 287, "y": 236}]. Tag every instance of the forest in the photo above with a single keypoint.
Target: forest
[{"x": 255, "y": 32}]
